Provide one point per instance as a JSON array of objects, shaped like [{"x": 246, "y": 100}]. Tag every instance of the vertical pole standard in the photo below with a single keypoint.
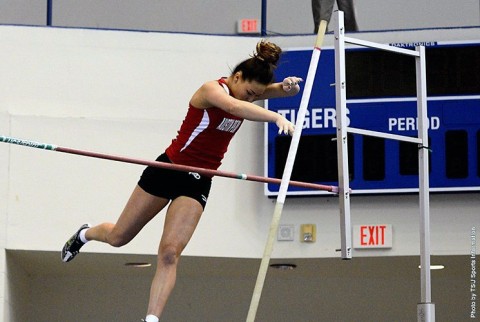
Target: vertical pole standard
[
  {"x": 49, "y": 12},
  {"x": 286, "y": 174},
  {"x": 263, "y": 31},
  {"x": 425, "y": 309},
  {"x": 342, "y": 143}
]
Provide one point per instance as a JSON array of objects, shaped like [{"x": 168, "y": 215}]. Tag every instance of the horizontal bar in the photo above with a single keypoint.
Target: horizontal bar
[
  {"x": 384, "y": 135},
  {"x": 366, "y": 43},
  {"x": 171, "y": 166}
]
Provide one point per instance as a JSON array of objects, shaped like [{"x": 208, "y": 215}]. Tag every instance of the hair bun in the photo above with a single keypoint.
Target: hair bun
[{"x": 268, "y": 52}]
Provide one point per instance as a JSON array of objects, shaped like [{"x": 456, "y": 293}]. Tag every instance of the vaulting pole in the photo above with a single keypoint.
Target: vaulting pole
[{"x": 286, "y": 174}]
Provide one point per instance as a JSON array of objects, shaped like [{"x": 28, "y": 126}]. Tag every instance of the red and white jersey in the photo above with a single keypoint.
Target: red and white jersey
[{"x": 204, "y": 136}]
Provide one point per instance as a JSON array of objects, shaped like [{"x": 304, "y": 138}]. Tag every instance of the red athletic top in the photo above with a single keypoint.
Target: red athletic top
[{"x": 204, "y": 136}]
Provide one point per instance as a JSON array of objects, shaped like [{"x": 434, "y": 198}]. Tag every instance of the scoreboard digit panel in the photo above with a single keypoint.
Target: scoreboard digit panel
[
  {"x": 451, "y": 70},
  {"x": 381, "y": 96}
]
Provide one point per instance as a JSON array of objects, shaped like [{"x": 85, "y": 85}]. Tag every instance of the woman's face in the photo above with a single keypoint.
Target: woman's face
[{"x": 247, "y": 90}]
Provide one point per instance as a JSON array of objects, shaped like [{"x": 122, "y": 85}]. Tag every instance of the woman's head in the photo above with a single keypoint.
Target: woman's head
[
  {"x": 251, "y": 77},
  {"x": 261, "y": 65}
]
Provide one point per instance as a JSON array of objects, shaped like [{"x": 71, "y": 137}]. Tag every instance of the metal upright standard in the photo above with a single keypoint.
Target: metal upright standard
[{"x": 425, "y": 309}]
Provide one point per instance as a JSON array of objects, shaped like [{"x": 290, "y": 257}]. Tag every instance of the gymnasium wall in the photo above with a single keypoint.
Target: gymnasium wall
[
  {"x": 4, "y": 157},
  {"x": 283, "y": 17},
  {"x": 126, "y": 93}
]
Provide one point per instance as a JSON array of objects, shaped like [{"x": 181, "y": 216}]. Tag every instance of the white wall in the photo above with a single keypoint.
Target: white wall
[
  {"x": 126, "y": 93},
  {"x": 85, "y": 89},
  {"x": 4, "y": 161}
]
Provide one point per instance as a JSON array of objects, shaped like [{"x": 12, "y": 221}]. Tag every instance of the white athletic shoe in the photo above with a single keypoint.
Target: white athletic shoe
[{"x": 73, "y": 245}]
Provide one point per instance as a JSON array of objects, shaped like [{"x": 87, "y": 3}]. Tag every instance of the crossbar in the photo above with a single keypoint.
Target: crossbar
[
  {"x": 366, "y": 43},
  {"x": 384, "y": 135},
  {"x": 158, "y": 164}
]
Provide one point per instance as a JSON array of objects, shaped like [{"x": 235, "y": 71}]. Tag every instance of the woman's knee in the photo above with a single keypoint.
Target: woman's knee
[
  {"x": 168, "y": 255},
  {"x": 117, "y": 240}
]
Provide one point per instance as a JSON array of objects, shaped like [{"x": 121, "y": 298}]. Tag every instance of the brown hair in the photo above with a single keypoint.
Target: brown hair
[{"x": 262, "y": 64}]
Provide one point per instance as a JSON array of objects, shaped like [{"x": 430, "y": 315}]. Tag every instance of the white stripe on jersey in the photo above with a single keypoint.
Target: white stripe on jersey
[
  {"x": 225, "y": 87},
  {"x": 199, "y": 129}
]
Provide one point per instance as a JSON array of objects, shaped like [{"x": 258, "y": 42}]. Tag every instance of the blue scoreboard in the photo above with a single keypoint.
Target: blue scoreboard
[{"x": 381, "y": 96}]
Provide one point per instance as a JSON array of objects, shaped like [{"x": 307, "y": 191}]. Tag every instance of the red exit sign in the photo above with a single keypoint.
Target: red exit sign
[
  {"x": 248, "y": 26},
  {"x": 372, "y": 236}
]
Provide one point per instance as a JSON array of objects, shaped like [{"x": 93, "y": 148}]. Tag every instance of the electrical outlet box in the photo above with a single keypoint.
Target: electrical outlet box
[{"x": 308, "y": 233}]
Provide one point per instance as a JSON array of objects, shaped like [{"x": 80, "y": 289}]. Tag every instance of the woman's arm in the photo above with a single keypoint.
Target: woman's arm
[
  {"x": 212, "y": 95},
  {"x": 289, "y": 87}
]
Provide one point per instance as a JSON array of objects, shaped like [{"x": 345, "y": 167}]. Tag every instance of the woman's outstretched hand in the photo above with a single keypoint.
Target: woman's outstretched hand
[
  {"x": 291, "y": 82},
  {"x": 284, "y": 125}
]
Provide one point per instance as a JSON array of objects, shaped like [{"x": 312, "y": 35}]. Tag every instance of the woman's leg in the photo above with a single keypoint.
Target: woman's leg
[
  {"x": 181, "y": 220},
  {"x": 139, "y": 210}
]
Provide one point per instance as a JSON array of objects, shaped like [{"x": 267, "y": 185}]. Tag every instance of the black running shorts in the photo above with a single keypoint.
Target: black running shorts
[{"x": 171, "y": 184}]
